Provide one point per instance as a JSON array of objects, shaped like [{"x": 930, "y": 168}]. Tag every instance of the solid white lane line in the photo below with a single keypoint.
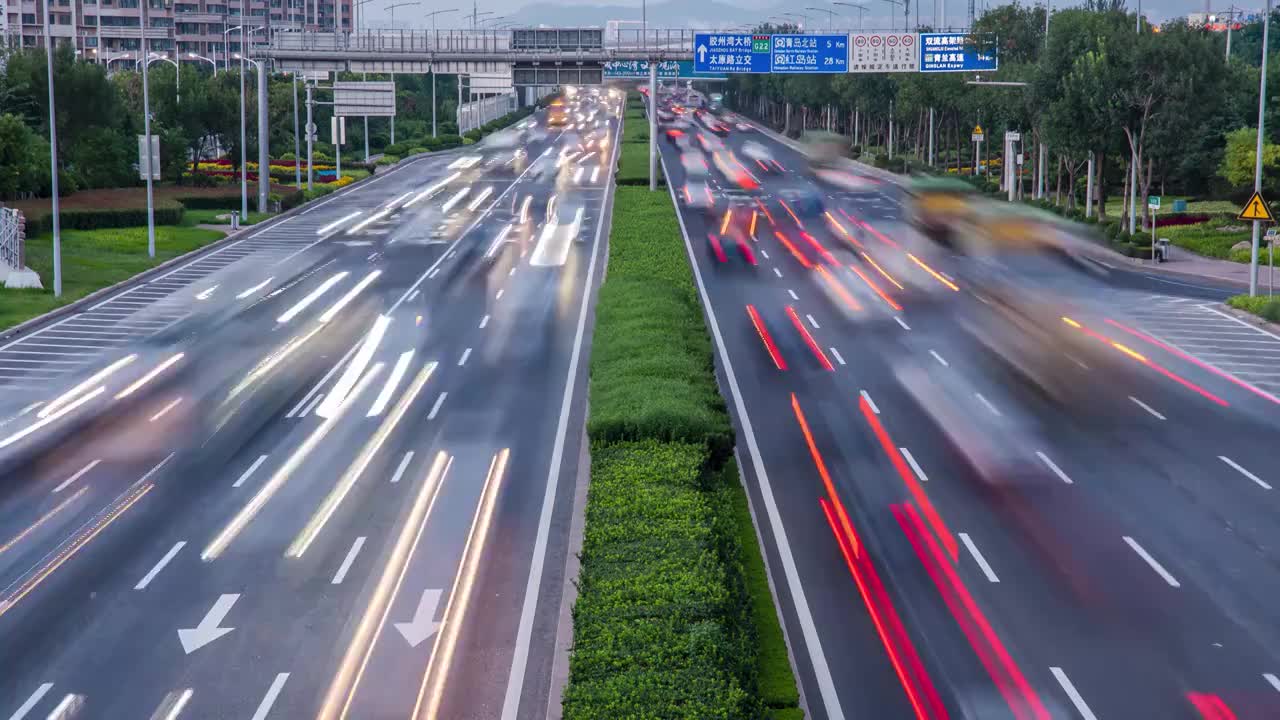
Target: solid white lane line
[
  {"x": 902, "y": 322},
  {"x": 812, "y": 322},
  {"x": 1273, "y": 680},
  {"x": 465, "y": 354},
  {"x": 1072, "y": 694},
  {"x": 792, "y": 293},
  {"x": 436, "y": 407},
  {"x": 870, "y": 403},
  {"x": 1142, "y": 553},
  {"x": 827, "y": 696},
  {"x": 311, "y": 405},
  {"x": 404, "y": 464},
  {"x": 987, "y": 403},
  {"x": 484, "y": 321},
  {"x": 1054, "y": 467},
  {"x": 938, "y": 357},
  {"x": 270, "y": 698},
  {"x": 151, "y": 574},
  {"x": 79, "y": 474},
  {"x": 777, "y": 272},
  {"x": 836, "y": 352},
  {"x": 977, "y": 556},
  {"x": 499, "y": 295},
  {"x": 32, "y": 701},
  {"x": 1244, "y": 472},
  {"x": 245, "y": 475},
  {"x": 524, "y": 632},
  {"x": 348, "y": 560},
  {"x": 1147, "y": 407},
  {"x": 915, "y": 467},
  {"x": 412, "y": 295}
]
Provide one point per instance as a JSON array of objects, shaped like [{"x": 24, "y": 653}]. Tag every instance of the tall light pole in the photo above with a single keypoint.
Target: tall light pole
[
  {"x": 244, "y": 169},
  {"x": 434, "y": 39},
  {"x": 861, "y": 9},
  {"x": 53, "y": 160},
  {"x": 226, "y": 47},
  {"x": 211, "y": 61},
  {"x": 803, "y": 18},
  {"x": 830, "y": 14},
  {"x": 146, "y": 132},
  {"x": 392, "y": 7},
  {"x": 475, "y": 16},
  {"x": 492, "y": 19},
  {"x": 264, "y": 158},
  {"x": 297, "y": 142},
  {"x": 906, "y": 11},
  {"x": 1257, "y": 167}
]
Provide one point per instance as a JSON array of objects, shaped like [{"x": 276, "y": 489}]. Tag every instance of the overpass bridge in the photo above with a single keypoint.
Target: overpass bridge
[{"x": 535, "y": 57}]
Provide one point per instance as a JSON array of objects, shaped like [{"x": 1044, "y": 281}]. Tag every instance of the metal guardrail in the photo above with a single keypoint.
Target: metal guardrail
[
  {"x": 473, "y": 114},
  {"x": 12, "y": 238}
]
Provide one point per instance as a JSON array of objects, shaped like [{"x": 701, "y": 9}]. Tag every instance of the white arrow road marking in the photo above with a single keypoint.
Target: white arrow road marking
[
  {"x": 208, "y": 630},
  {"x": 423, "y": 624}
]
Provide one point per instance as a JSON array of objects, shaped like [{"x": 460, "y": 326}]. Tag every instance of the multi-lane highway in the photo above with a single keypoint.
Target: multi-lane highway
[
  {"x": 326, "y": 470},
  {"x": 945, "y": 539}
]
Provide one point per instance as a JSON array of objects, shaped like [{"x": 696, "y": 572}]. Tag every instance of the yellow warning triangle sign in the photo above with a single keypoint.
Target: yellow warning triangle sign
[
  {"x": 977, "y": 130},
  {"x": 1257, "y": 209}
]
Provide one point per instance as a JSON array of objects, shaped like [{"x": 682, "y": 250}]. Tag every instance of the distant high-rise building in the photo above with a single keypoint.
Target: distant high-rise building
[{"x": 110, "y": 30}]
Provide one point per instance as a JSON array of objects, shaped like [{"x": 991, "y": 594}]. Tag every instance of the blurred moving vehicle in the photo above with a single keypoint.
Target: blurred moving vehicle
[
  {"x": 697, "y": 196},
  {"x": 940, "y": 206},
  {"x": 557, "y": 114},
  {"x": 802, "y": 201},
  {"x": 759, "y": 155}
]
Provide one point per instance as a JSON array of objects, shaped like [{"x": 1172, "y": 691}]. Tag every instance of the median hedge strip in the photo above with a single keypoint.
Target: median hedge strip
[
  {"x": 674, "y": 616},
  {"x": 633, "y": 156}
]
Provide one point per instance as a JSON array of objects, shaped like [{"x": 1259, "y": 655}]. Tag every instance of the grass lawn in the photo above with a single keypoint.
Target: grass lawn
[
  {"x": 92, "y": 260},
  {"x": 1211, "y": 239},
  {"x": 191, "y": 218},
  {"x": 1115, "y": 205},
  {"x": 633, "y": 165}
]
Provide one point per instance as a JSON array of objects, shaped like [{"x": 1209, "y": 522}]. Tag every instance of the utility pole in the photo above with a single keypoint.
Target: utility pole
[
  {"x": 310, "y": 135},
  {"x": 146, "y": 131},
  {"x": 1257, "y": 167},
  {"x": 264, "y": 137},
  {"x": 297, "y": 140},
  {"x": 244, "y": 158},
  {"x": 53, "y": 160}
]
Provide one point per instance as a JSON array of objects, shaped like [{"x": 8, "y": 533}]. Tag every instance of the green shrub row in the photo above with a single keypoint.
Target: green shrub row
[
  {"x": 675, "y": 617},
  {"x": 661, "y": 629},
  {"x": 169, "y": 213},
  {"x": 1267, "y": 308},
  {"x": 417, "y": 145}
]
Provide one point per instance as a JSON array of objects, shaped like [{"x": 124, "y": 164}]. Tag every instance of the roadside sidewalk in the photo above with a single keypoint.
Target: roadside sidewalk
[{"x": 1184, "y": 262}]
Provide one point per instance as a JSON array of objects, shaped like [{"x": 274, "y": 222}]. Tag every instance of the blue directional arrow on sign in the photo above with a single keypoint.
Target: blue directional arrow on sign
[
  {"x": 810, "y": 53},
  {"x": 731, "y": 53}
]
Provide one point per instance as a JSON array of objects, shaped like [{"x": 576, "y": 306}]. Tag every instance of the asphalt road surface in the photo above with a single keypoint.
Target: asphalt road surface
[
  {"x": 325, "y": 471},
  {"x": 945, "y": 540}
]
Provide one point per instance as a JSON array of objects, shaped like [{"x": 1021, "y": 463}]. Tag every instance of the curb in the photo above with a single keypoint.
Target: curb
[
  {"x": 217, "y": 245},
  {"x": 1250, "y": 318}
]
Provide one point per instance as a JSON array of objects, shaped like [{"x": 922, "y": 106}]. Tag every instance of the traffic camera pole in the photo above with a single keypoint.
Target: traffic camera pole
[
  {"x": 1257, "y": 167},
  {"x": 653, "y": 125}
]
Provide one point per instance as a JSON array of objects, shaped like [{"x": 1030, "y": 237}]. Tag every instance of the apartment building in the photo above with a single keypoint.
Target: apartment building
[{"x": 111, "y": 30}]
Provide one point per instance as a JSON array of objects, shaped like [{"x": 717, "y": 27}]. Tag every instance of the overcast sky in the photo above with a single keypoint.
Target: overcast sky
[{"x": 1157, "y": 10}]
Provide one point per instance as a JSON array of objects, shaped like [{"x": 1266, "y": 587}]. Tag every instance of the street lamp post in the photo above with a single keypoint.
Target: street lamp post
[
  {"x": 146, "y": 132},
  {"x": 297, "y": 142},
  {"x": 1257, "y": 167},
  {"x": 804, "y": 19},
  {"x": 53, "y": 160},
  {"x": 830, "y": 14},
  {"x": 226, "y": 47},
  {"x": 861, "y": 9},
  {"x": 177, "y": 71},
  {"x": 211, "y": 61},
  {"x": 264, "y": 160},
  {"x": 906, "y": 11},
  {"x": 434, "y": 40},
  {"x": 392, "y": 7}
]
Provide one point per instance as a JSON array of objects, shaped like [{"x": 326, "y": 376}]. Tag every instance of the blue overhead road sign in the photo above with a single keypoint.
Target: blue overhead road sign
[
  {"x": 950, "y": 52},
  {"x": 731, "y": 53},
  {"x": 667, "y": 70},
  {"x": 810, "y": 53}
]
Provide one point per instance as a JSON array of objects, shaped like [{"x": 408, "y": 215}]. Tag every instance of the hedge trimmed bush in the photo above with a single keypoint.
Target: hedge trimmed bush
[
  {"x": 652, "y": 374},
  {"x": 210, "y": 202},
  {"x": 660, "y": 625},
  {"x": 164, "y": 214},
  {"x": 674, "y": 617}
]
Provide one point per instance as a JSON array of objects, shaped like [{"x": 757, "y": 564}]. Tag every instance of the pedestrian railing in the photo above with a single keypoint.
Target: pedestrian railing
[{"x": 12, "y": 238}]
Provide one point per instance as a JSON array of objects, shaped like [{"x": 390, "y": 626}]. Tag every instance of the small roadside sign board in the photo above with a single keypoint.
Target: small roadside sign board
[
  {"x": 732, "y": 53},
  {"x": 978, "y": 134},
  {"x": 154, "y": 157},
  {"x": 1012, "y": 136},
  {"x": 1257, "y": 209},
  {"x": 1153, "y": 202},
  {"x": 810, "y": 53},
  {"x": 884, "y": 52}
]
